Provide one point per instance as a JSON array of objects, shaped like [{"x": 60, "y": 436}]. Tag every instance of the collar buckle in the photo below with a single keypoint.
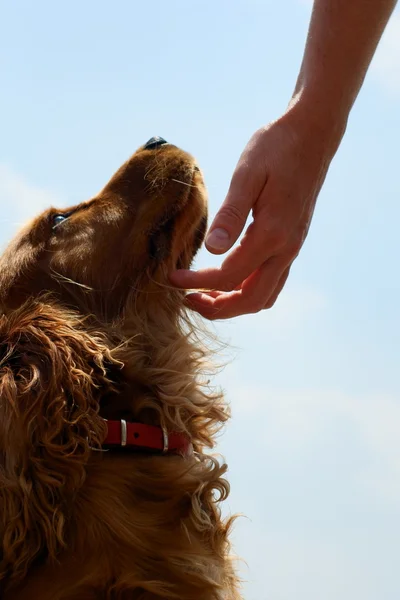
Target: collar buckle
[
  {"x": 124, "y": 433},
  {"x": 165, "y": 440}
]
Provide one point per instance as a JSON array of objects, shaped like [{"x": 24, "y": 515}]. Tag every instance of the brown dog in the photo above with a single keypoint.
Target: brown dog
[{"x": 105, "y": 488}]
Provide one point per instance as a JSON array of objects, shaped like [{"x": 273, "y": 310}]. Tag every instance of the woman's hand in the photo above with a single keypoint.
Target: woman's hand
[{"x": 278, "y": 178}]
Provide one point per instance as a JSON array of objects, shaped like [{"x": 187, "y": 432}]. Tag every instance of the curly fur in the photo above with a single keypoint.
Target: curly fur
[{"x": 79, "y": 344}]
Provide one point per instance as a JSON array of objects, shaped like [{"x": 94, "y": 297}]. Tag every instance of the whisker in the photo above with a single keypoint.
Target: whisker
[
  {"x": 185, "y": 183},
  {"x": 65, "y": 279},
  {"x": 161, "y": 285},
  {"x": 138, "y": 290}
]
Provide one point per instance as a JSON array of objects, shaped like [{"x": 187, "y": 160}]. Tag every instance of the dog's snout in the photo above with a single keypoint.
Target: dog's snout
[{"x": 155, "y": 142}]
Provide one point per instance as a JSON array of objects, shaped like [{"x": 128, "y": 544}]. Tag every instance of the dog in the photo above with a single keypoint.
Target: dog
[{"x": 107, "y": 490}]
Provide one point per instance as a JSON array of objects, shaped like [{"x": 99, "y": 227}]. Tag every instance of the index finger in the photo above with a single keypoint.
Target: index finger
[{"x": 254, "y": 249}]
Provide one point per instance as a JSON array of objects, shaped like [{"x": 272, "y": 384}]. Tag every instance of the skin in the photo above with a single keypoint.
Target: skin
[{"x": 282, "y": 169}]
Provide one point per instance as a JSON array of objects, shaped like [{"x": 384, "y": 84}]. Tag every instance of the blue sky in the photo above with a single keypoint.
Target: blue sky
[{"x": 313, "y": 446}]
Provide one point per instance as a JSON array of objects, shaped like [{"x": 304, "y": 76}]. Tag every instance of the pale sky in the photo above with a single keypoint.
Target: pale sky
[{"x": 314, "y": 443}]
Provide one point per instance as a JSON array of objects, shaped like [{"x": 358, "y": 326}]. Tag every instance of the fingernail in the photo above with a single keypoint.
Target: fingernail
[{"x": 218, "y": 239}]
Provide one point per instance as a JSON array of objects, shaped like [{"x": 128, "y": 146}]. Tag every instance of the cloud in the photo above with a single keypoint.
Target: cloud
[
  {"x": 20, "y": 200},
  {"x": 299, "y": 307},
  {"x": 295, "y": 305},
  {"x": 303, "y": 423},
  {"x": 317, "y": 472},
  {"x": 284, "y": 566},
  {"x": 386, "y": 65}
]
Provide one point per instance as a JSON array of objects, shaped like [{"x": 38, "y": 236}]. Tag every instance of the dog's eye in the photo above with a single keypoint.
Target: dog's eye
[{"x": 58, "y": 219}]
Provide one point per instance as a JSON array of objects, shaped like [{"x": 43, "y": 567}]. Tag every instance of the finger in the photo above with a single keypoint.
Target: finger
[
  {"x": 204, "y": 304},
  {"x": 278, "y": 289},
  {"x": 244, "y": 190},
  {"x": 256, "y": 290},
  {"x": 195, "y": 280},
  {"x": 256, "y": 247},
  {"x": 209, "y": 293}
]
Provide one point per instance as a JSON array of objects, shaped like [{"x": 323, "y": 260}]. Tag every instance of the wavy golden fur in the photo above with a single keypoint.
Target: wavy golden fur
[{"x": 90, "y": 329}]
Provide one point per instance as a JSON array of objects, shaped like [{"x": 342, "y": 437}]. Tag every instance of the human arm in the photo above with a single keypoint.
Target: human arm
[{"x": 283, "y": 167}]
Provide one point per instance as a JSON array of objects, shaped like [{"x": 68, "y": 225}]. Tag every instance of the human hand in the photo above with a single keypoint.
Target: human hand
[{"x": 278, "y": 178}]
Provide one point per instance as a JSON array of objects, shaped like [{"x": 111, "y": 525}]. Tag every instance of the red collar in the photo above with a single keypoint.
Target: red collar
[{"x": 148, "y": 437}]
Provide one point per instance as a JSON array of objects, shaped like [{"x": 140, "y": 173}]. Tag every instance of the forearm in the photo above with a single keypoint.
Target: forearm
[{"x": 341, "y": 42}]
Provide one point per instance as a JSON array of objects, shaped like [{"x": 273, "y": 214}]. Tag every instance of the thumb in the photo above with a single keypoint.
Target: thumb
[
  {"x": 246, "y": 186},
  {"x": 232, "y": 216},
  {"x": 226, "y": 227}
]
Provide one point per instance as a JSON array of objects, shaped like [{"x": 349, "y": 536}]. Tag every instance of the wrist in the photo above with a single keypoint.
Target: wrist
[{"x": 320, "y": 118}]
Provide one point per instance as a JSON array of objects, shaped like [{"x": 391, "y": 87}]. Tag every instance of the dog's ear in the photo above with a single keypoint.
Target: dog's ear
[{"x": 52, "y": 373}]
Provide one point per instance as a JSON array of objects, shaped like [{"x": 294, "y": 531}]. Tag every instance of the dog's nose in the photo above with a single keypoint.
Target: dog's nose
[{"x": 154, "y": 142}]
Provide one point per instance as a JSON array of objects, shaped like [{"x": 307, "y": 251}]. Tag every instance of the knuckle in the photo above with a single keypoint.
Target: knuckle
[
  {"x": 277, "y": 238},
  {"x": 255, "y": 307},
  {"x": 211, "y": 316},
  {"x": 294, "y": 247},
  {"x": 232, "y": 213},
  {"x": 280, "y": 239},
  {"x": 228, "y": 285},
  {"x": 270, "y": 303}
]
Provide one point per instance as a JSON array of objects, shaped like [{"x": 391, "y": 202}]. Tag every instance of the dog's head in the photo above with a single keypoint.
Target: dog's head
[{"x": 107, "y": 252}]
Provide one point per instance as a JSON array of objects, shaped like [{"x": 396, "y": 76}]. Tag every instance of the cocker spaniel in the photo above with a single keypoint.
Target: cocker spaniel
[{"x": 106, "y": 489}]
